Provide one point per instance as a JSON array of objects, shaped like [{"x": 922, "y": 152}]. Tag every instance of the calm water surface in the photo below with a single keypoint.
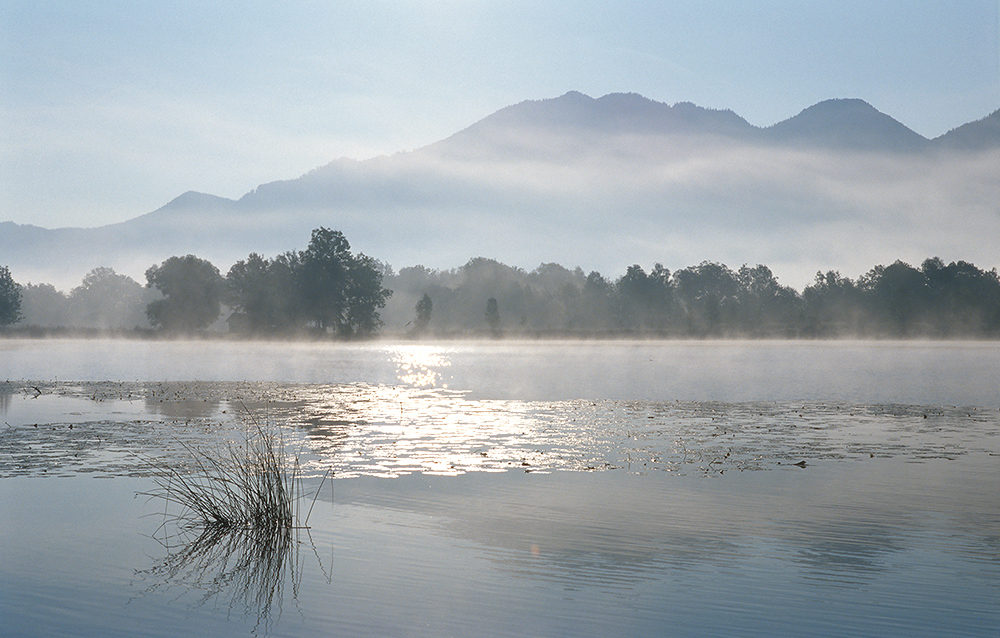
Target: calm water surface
[{"x": 648, "y": 489}]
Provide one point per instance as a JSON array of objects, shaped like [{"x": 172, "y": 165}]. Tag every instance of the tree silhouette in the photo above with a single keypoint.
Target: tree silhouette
[
  {"x": 766, "y": 307},
  {"x": 192, "y": 289},
  {"x": 10, "y": 298},
  {"x": 365, "y": 295},
  {"x": 708, "y": 296},
  {"x": 961, "y": 299},
  {"x": 897, "y": 296},
  {"x": 107, "y": 299},
  {"x": 645, "y": 301},
  {"x": 43, "y": 305},
  {"x": 323, "y": 279},
  {"x": 254, "y": 290},
  {"x": 833, "y": 305}
]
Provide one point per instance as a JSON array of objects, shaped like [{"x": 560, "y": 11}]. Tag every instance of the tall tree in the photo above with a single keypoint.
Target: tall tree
[
  {"x": 898, "y": 297},
  {"x": 107, "y": 299},
  {"x": 192, "y": 289},
  {"x": 42, "y": 305},
  {"x": 284, "y": 273},
  {"x": 708, "y": 295},
  {"x": 323, "y": 278},
  {"x": 338, "y": 290},
  {"x": 645, "y": 300},
  {"x": 962, "y": 299},
  {"x": 10, "y": 298},
  {"x": 765, "y": 306},
  {"x": 834, "y": 305},
  {"x": 598, "y": 302},
  {"x": 252, "y": 290},
  {"x": 365, "y": 295}
]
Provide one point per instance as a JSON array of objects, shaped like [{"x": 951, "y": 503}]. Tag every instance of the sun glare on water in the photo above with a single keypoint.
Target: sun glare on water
[{"x": 420, "y": 366}]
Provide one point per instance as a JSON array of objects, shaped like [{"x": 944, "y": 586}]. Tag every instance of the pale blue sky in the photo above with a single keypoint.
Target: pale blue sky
[{"x": 110, "y": 109}]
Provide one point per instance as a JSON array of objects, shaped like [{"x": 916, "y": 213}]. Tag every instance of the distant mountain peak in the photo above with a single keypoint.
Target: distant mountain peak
[
  {"x": 193, "y": 199},
  {"x": 848, "y": 123},
  {"x": 614, "y": 113}
]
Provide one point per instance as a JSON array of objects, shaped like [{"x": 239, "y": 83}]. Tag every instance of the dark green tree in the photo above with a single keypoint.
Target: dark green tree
[
  {"x": 284, "y": 276},
  {"x": 323, "y": 279},
  {"x": 833, "y": 305},
  {"x": 192, "y": 289},
  {"x": 10, "y": 298},
  {"x": 42, "y": 305},
  {"x": 337, "y": 290},
  {"x": 645, "y": 301},
  {"x": 253, "y": 289},
  {"x": 708, "y": 297},
  {"x": 598, "y": 303},
  {"x": 633, "y": 293},
  {"x": 897, "y": 296},
  {"x": 766, "y": 308},
  {"x": 365, "y": 295},
  {"x": 556, "y": 293},
  {"x": 962, "y": 300}
]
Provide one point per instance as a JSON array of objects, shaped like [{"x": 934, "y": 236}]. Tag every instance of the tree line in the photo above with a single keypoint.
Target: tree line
[
  {"x": 709, "y": 300},
  {"x": 324, "y": 289},
  {"x": 327, "y": 289}
]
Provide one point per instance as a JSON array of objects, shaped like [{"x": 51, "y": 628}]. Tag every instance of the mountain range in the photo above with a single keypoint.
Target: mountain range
[{"x": 600, "y": 183}]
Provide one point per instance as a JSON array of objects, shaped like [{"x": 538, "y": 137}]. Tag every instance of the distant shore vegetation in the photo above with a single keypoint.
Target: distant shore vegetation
[{"x": 326, "y": 291}]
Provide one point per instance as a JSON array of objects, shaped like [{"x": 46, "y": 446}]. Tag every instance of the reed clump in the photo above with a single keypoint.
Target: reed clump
[{"x": 255, "y": 485}]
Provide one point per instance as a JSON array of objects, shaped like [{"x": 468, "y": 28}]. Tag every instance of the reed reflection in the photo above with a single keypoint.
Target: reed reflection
[{"x": 250, "y": 567}]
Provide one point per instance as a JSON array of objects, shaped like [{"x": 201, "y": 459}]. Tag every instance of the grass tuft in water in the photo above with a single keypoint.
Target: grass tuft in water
[{"x": 256, "y": 485}]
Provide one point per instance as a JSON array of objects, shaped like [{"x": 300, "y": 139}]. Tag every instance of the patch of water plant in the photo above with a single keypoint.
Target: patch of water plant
[
  {"x": 253, "y": 485},
  {"x": 229, "y": 517}
]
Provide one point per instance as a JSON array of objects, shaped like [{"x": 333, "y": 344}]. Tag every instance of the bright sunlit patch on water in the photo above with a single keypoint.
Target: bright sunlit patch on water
[
  {"x": 420, "y": 366},
  {"x": 389, "y": 431}
]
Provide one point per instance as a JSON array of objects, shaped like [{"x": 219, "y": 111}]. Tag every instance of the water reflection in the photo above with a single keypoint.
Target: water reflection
[
  {"x": 249, "y": 567},
  {"x": 6, "y": 392},
  {"x": 183, "y": 410},
  {"x": 420, "y": 366},
  {"x": 181, "y": 401}
]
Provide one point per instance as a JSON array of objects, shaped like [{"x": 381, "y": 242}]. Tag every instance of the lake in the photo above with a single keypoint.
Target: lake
[{"x": 496, "y": 488}]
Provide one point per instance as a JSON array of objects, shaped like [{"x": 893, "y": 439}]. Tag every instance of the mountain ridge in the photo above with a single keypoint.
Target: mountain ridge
[
  {"x": 645, "y": 114},
  {"x": 622, "y": 168}
]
